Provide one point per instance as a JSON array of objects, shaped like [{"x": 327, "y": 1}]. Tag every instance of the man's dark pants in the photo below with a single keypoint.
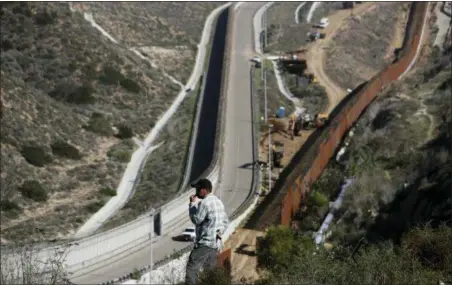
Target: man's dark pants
[{"x": 201, "y": 256}]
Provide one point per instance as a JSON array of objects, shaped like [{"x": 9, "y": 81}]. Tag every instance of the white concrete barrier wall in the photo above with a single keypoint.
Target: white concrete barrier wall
[
  {"x": 105, "y": 246},
  {"x": 174, "y": 271},
  {"x": 125, "y": 237}
]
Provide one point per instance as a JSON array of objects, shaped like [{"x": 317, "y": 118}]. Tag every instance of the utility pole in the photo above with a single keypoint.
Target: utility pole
[
  {"x": 265, "y": 45},
  {"x": 270, "y": 157},
  {"x": 265, "y": 94},
  {"x": 151, "y": 224}
]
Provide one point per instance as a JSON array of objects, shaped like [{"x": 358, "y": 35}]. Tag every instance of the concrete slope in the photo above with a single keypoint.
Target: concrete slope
[
  {"x": 235, "y": 179},
  {"x": 205, "y": 138}
]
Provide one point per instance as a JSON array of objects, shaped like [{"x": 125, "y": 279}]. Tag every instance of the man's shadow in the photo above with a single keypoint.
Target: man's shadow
[
  {"x": 253, "y": 165},
  {"x": 180, "y": 238},
  {"x": 242, "y": 250}
]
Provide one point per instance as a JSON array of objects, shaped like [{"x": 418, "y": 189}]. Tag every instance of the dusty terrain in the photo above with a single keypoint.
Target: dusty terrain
[
  {"x": 71, "y": 103},
  {"x": 284, "y": 33},
  {"x": 167, "y": 32},
  {"x": 366, "y": 43}
]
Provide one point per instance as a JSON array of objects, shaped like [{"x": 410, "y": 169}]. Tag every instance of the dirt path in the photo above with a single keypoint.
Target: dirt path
[
  {"x": 243, "y": 246},
  {"x": 315, "y": 56}
]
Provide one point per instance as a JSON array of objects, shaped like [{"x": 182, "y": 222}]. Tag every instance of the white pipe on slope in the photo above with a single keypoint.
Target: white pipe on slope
[{"x": 319, "y": 237}]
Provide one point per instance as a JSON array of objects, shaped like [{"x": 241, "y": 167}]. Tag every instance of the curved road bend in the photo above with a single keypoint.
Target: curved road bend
[{"x": 236, "y": 181}]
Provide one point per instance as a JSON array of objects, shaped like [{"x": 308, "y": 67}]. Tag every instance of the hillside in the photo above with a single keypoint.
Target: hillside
[
  {"x": 394, "y": 224},
  {"x": 71, "y": 103},
  {"x": 168, "y": 33},
  {"x": 366, "y": 44}
]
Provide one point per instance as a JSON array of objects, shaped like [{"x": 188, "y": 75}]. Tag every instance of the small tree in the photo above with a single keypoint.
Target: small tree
[
  {"x": 35, "y": 155},
  {"x": 64, "y": 149},
  {"x": 107, "y": 191},
  {"x": 278, "y": 248},
  {"x": 217, "y": 276},
  {"x": 33, "y": 190},
  {"x": 27, "y": 265},
  {"x": 99, "y": 124},
  {"x": 124, "y": 131}
]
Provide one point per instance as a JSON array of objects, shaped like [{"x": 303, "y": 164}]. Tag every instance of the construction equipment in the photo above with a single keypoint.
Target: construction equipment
[
  {"x": 318, "y": 121},
  {"x": 315, "y": 35},
  {"x": 297, "y": 127},
  {"x": 312, "y": 78},
  {"x": 277, "y": 154},
  {"x": 321, "y": 119}
]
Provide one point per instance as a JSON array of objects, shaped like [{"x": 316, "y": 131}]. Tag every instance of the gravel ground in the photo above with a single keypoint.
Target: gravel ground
[{"x": 362, "y": 48}]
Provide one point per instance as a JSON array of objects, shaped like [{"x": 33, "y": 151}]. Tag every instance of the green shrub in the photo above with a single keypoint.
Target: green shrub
[
  {"x": 7, "y": 205},
  {"x": 107, "y": 191},
  {"x": 110, "y": 76},
  {"x": 376, "y": 264},
  {"x": 136, "y": 274},
  {"x": 311, "y": 90},
  {"x": 217, "y": 276},
  {"x": 329, "y": 182},
  {"x": 130, "y": 85},
  {"x": 100, "y": 125},
  {"x": 23, "y": 9},
  {"x": 124, "y": 132},
  {"x": 94, "y": 206},
  {"x": 46, "y": 18},
  {"x": 279, "y": 247},
  {"x": 309, "y": 223},
  {"x": 120, "y": 154},
  {"x": 121, "y": 151},
  {"x": 318, "y": 199},
  {"x": 72, "y": 93},
  {"x": 62, "y": 148},
  {"x": 6, "y": 45},
  {"x": 35, "y": 155},
  {"x": 33, "y": 190},
  {"x": 430, "y": 246}
]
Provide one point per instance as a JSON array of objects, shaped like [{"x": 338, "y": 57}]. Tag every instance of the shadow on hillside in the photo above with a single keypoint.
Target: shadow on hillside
[{"x": 427, "y": 200}]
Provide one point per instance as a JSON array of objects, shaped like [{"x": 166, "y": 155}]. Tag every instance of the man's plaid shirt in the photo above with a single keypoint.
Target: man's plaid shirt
[{"x": 209, "y": 216}]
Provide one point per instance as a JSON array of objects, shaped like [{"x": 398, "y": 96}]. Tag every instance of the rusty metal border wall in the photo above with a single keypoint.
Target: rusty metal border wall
[{"x": 308, "y": 163}]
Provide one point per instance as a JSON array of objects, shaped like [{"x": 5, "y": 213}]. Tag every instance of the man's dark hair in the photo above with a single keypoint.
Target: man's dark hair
[{"x": 203, "y": 183}]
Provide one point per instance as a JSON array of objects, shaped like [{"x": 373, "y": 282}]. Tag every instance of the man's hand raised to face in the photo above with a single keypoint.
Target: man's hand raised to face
[{"x": 194, "y": 199}]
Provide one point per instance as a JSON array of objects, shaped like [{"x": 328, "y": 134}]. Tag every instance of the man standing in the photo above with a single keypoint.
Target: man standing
[{"x": 208, "y": 214}]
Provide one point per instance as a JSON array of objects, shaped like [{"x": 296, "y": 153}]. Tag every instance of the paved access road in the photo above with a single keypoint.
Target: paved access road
[{"x": 235, "y": 181}]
